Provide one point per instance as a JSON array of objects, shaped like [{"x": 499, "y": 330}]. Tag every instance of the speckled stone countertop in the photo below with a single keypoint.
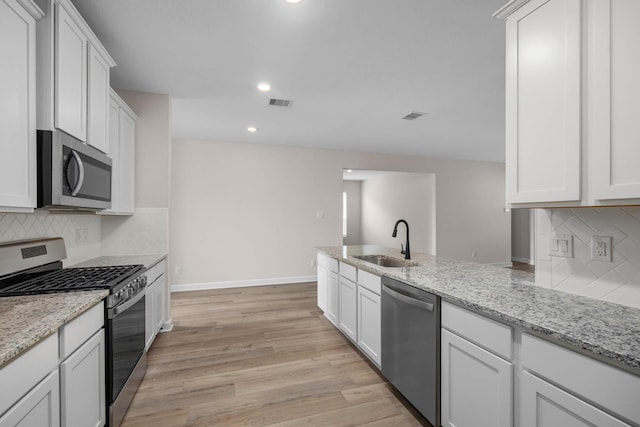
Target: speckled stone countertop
[
  {"x": 607, "y": 331},
  {"x": 26, "y": 320},
  {"x": 146, "y": 260}
]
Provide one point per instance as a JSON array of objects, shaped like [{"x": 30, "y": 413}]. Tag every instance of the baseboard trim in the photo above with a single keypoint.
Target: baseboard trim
[
  {"x": 241, "y": 283},
  {"x": 525, "y": 260}
]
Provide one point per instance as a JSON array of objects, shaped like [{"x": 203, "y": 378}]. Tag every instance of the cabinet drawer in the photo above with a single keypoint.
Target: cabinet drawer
[
  {"x": 73, "y": 334},
  {"x": 27, "y": 370},
  {"x": 156, "y": 271},
  {"x": 349, "y": 271},
  {"x": 584, "y": 376},
  {"x": 369, "y": 281},
  {"x": 487, "y": 333}
]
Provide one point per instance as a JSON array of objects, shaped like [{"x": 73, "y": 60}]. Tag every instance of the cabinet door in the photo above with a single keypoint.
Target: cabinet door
[
  {"x": 322, "y": 288},
  {"x": 127, "y": 154},
  {"x": 369, "y": 327},
  {"x": 160, "y": 295},
  {"x": 40, "y": 407},
  {"x": 17, "y": 107},
  {"x": 114, "y": 152},
  {"x": 150, "y": 316},
  {"x": 82, "y": 385},
  {"x": 544, "y": 405},
  {"x": 98, "y": 101},
  {"x": 476, "y": 385},
  {"x": 333, "y": 298},
  {"x": 614, "y": 90},
  {"x": 70, "y": 76},
  {"x": 348, "y": 308},
  {"x": 543, "y": 102}
]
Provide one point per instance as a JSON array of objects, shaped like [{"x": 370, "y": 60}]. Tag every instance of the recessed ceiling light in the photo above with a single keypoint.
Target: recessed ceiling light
[
  {"x": 252, "y": 129},
  {"x": 293, "y": 1},
  {"x": 264, "y": 87},
  {"x": 349, "y": 170}
]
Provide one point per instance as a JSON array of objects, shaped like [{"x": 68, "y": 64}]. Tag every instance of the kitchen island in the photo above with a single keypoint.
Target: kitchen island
[
  {"x": 508, "y": 349},
  {"x": 606, "y": 330}
]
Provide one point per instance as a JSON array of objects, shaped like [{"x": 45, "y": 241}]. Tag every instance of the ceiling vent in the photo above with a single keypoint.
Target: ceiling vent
[
  {"x": 280, "y": 102},
  {"x": 413, "y": 115}
]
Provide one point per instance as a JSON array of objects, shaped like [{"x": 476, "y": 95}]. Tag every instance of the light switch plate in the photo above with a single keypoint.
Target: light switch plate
[
  {"x": 561, "y": 245},
  {"x": 601, "y": 248}
]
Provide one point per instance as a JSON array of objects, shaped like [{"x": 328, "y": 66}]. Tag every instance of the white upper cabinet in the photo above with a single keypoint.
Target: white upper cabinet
[
  {"x": 571, "y": 89},
  {"x": 614, "y": 90},
  {"x": 98, "y": 101},
  {"x": 122, "y": 144},
  {"x": 73, "y": 75},
  {"x": 70, "y": 75},
  {"x": 18, "y": 105},
  {"x": 543, "y": 102}
]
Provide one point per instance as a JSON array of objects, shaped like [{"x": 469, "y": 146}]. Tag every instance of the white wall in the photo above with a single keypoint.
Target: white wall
[
  {"x": 390, "y": 197},
  {"x": 249, "y": 212},
  {"x": 618, "y": 281},
  {"x": 521, "y": 235},
  {"x": 354, "y": 220}
]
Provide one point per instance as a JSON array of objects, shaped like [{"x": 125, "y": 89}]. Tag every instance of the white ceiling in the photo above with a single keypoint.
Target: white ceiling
[{"x": 351, "y": 67}]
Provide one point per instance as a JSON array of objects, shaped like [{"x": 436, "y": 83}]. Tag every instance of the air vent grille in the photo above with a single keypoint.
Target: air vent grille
[
  {"x": 413, "y": 115},
  {"x": 280, "y": 102}
]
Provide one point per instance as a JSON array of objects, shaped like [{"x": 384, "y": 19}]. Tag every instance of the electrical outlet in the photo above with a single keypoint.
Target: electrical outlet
[
  {"x": 601, "y": 248},
  {"x": 78, "y": 235},
  {"x": 561, "y": 245},
  {"x": 178, "y": 271}
]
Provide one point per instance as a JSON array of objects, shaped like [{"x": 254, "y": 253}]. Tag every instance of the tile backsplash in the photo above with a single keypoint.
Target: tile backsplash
[
  {"x": 617, "y": 281},
  {"x": 19, "y": 226}
]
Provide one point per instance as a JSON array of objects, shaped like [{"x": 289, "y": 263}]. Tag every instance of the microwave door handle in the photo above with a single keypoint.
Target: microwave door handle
[{"x": 78, "y": 186}]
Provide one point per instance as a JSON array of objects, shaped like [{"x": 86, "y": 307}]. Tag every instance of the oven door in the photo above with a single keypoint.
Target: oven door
[{"x": 125, "y": 342}]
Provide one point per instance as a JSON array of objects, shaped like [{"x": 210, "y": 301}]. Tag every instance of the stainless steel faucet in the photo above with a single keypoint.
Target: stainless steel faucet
[{"x": 407, "y": 250}]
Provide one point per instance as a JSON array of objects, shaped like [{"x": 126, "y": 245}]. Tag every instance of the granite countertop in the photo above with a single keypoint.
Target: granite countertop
[
  {"x": 26, "y": 320},
  {"x": 607, "y": 331},
  {"x": 146, "y": 260}
]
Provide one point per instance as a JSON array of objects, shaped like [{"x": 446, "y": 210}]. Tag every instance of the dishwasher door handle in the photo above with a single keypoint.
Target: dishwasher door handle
[{"x": 407, "y": 299}]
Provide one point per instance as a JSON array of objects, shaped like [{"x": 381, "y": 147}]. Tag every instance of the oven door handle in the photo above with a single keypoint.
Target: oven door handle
[{"x": 113, "y": 312}]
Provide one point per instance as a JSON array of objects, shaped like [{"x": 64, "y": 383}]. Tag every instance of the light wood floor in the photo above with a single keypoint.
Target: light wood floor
[{"x": 262, "y": 356}]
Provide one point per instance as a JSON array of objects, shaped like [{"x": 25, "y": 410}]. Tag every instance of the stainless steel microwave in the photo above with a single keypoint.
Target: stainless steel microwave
[{"x": 71, "y": 174}]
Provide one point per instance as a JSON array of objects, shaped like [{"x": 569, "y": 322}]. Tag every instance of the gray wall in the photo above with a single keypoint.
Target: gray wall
[
  {"x": 250, "y": 212},
  {"x": 521, "y": 236},
  {"x": 396, "y": 195}
]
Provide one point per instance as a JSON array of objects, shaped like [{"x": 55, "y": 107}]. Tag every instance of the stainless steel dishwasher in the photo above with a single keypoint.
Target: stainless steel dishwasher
[{"x": 411, "y": 345}]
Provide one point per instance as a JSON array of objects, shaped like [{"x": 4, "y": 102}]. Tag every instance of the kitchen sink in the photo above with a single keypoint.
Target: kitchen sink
[{"x": 386, "y": 261}]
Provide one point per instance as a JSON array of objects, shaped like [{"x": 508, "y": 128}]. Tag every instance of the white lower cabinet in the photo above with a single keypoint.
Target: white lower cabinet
[
  {"x": 322, "y": 282},
  {"x": 40, "y": 407},
  {"x": 348, "y": 308},
  {"x": 155, "y": 301},
  {"x": 369, "y": 324},
  {"x": 545, "y": 405},
  {"x": 82, "y": 382},
  {"x": 333, "y": 297},
  {"x": 476, "y": 385}
]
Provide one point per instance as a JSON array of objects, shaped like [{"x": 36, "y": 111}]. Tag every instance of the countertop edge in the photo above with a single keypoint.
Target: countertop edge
[{"x": 32, "y": 339}]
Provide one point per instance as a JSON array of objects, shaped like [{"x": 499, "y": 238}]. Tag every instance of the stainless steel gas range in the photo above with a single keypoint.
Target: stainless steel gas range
[{"x": 35, "y": 267}]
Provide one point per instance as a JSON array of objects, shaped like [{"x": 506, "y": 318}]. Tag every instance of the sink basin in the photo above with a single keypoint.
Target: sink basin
[{"x": 386, "y": 261}]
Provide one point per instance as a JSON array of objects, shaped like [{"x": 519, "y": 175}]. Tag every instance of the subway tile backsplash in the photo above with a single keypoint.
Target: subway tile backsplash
[
  {"x": 19, "y": 226},
  {"x": 617, "y": 281}
]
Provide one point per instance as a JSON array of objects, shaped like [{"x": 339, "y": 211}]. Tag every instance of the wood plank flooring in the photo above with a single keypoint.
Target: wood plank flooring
[{"x": 261, "y": 356}]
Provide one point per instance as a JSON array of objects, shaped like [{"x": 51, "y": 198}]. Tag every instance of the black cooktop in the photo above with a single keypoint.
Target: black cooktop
[{"x": 69, "y": 279}]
